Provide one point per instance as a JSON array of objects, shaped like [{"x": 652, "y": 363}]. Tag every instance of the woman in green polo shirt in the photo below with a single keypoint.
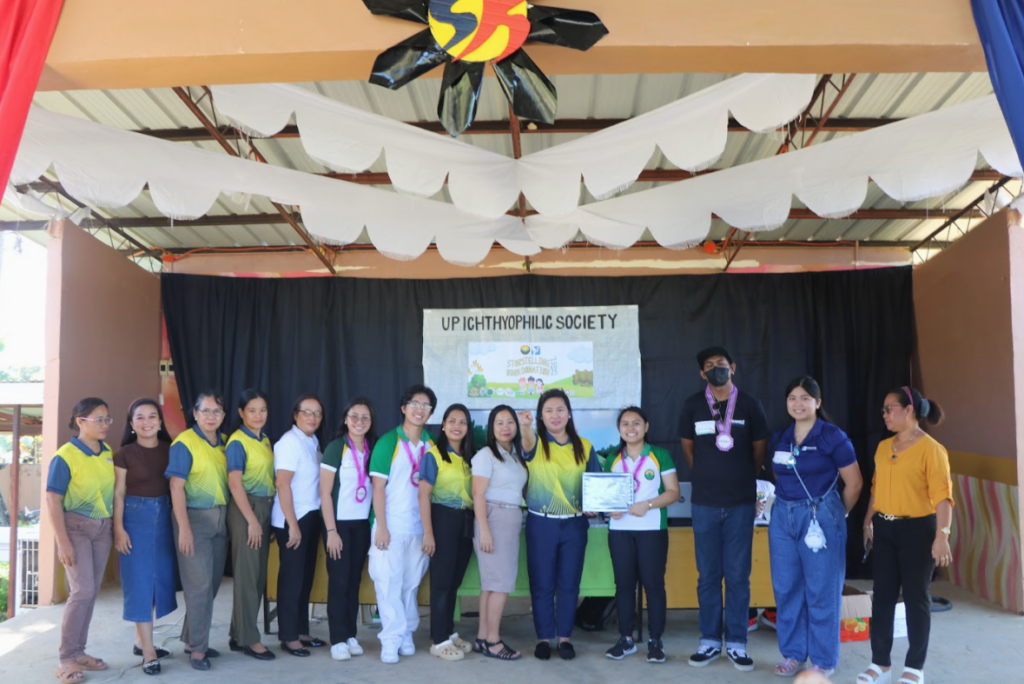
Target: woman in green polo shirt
[{"x": 80, "y": 502}]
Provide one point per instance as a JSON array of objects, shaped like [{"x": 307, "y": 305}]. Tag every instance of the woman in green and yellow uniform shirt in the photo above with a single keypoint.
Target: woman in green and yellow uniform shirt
[
  {"x": 251, "y": 482},
  {"x": 80, "y": 502},
  {"x": 556, "y": 529},
  {"x": 446, "y": 509},
  {"x": 198, "y": 473}
]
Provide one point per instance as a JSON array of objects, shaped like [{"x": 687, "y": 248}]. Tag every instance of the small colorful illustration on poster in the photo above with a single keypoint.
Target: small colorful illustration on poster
[{"x": 525, "y": 369}]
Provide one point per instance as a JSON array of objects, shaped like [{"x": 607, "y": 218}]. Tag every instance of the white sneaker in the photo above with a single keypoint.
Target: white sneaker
[
  {"x": 388, "y": 654},
  {"x": 340, "y": 652},
  {"x": 353, "y": 647},
  {"x": 407, "y": 648}
]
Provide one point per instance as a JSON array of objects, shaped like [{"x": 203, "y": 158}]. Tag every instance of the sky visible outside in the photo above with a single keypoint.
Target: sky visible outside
[{"x": 22, "y": 302}]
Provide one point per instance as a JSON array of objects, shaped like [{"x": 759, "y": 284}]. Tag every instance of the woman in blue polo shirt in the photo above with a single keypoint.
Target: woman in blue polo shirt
[
  {"x": 251, "y": 482},
  {"x": 79, "y": 503},
  {"x": 807, "y": 532},
  {"x": 638, "y": 538},
  {"x": 198, "y": 473},
  {"x": 556, "y": 529}
]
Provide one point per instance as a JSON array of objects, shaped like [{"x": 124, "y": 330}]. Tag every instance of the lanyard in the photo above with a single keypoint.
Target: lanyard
[
  {"x": 414, "y": 462},
  {"x": 360, "y": 461},
  {"x": 636, "y": 471},
  {"x": 724, "y": 440}
]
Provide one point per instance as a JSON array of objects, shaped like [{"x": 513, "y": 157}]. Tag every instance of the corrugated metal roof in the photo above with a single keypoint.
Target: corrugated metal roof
[{"x": 871, "y": 96}]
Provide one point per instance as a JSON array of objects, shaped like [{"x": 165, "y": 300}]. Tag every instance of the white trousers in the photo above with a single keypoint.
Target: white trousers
[{"x": 396, "y": 573}]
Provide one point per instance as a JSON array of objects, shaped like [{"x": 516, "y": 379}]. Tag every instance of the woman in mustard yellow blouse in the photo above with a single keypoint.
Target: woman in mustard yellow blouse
[{"x": 907, "y": 524}]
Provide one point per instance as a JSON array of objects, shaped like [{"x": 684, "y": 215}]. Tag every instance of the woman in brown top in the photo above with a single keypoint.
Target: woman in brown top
[{"x": 142, "y": 526}]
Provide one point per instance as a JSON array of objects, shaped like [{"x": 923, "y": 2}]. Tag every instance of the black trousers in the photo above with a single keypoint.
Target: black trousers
[
  {"x": 343, "y": 577},
  {"x": 295, "y": 577},
  {"x": 453, "y": 536},
  {"x": 902, "y": 560},
  {"x": 643, "y": 553}
]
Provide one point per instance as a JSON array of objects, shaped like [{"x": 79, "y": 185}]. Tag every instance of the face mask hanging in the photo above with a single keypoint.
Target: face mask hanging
[{"x": 814, "y": 538}]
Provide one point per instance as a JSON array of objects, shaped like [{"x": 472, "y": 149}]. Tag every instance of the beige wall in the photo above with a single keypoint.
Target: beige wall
[
  {"x": 965, "y": 339},
  {"x": 369, "y": 263},
  {"x": 102, "y": 339},
  {"x": 132, "y": 44},
  {"x": 30, "y": 491}
]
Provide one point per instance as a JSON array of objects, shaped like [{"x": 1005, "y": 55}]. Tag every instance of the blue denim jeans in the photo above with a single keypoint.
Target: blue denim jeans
[
  {"x": 723, "y": 538},
  {"x": 808, "y": 586}
]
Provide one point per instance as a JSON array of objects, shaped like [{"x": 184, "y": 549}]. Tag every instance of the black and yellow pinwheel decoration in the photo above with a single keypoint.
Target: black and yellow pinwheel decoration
[{"x": 466, "y": 34}]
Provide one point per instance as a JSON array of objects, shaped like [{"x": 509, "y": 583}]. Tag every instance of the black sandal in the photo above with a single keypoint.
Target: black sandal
[
  {"x": 505, "y": 653},
  {"x": 152, "y": 667},
  {"x": 479, "y": 645}
]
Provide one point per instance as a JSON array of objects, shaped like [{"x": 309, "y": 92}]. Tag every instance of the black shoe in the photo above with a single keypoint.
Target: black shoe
[
  {"x": 740, "y": 659},
  {"x": 210, "y": 652},
  {"x": 152, "y": 667},
  {"x": 705, "y": 655},
  {"x": 200, "y": 663},
  {"x": 161, "y": 653},
  {"x": 622, "y": 648},
  {"x": 543, "y": 651},
  {"x": 266, "y": 655},
  {"x": 300, "y": 652},
  {"x": 655, "y": 651},
  {"x": 233, "y": 645},
  {"x": 313, "y": 643},
  {"x": 566, "y": 651}
]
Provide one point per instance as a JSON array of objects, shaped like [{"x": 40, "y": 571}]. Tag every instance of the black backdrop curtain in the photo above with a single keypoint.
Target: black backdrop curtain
[{"x": 339, "y": 337}]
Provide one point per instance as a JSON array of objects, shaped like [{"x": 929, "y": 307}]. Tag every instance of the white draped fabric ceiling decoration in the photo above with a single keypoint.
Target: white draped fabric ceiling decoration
[
  {"x": 691, "y": 133},
  {"x": 919, "y": 157}
]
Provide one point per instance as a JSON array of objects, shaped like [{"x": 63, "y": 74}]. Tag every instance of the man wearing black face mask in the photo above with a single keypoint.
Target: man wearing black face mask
[{"x": 724, "y": 435}]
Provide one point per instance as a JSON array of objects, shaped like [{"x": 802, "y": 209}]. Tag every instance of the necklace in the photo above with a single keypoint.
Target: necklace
[{"x": 895, "y": 453}]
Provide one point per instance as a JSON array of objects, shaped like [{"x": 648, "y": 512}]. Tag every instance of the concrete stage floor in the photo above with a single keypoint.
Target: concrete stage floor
[{"x": 976, "y": 642}]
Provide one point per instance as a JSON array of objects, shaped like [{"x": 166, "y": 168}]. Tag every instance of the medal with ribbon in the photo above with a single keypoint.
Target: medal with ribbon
[
  {"x": 414, "y": 462},
  {"x": 360, "y": 461},
  {"x": 636, "y": 471},
  {"x": 723, "y": 440}
]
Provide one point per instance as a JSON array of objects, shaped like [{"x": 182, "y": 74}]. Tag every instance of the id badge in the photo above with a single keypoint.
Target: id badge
[
  {"x": 782, "y": 457},
  {"x": 704, "y": 427}
]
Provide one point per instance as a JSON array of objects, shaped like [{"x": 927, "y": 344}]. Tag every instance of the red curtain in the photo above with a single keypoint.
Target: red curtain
[{"x": 26, "y": 29}]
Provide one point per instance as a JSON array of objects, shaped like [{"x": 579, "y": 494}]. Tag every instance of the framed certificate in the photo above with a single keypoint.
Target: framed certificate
[{"x": 607, "y": 492}]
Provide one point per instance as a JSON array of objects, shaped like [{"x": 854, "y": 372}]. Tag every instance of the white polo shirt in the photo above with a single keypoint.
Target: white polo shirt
[{"x": 301, "y": 455}]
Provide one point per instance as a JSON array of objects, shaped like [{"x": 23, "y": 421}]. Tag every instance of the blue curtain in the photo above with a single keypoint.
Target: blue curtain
[{"x": 1001, "y": 27}]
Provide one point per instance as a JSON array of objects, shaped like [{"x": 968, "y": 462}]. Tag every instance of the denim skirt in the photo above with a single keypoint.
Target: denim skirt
[{"x": 149, "y": 574}]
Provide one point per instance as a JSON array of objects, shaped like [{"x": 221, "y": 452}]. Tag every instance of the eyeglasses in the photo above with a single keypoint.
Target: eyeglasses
[
  {"x": 418, "y": 405},
  {"x": 889, "y": 408},
  {"x": 106, "y": 420},
  {"x": 355, "y": 418},
  {"x": 211, "y": 413},
  {"x": 310, "y": 414}
]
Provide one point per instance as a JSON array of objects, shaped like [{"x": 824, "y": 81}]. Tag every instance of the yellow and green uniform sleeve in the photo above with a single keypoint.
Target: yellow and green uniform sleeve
[
  {"x": 84, "y": 479},
  {"x": 452, "y": 482},
  {"x": 555, "y": 486},
  {"x": 254, "y": 457},
  {"x": 203, "y": 466}
]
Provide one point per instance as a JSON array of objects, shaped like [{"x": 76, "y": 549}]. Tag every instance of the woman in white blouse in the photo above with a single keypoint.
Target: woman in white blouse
[
  {"x": 297, "y": 523},
  {"x": 499, "y": 477}
]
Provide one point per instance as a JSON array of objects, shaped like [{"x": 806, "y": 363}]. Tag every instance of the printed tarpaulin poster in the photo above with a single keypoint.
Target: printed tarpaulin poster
[
  {"x": 485, "y": 357},
  {"x": 512, "y": 369}
]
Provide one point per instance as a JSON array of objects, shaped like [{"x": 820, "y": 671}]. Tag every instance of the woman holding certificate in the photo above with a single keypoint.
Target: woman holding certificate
[
  {"x": 556, "y": 530},
  {"x": 638, "y": 538}
]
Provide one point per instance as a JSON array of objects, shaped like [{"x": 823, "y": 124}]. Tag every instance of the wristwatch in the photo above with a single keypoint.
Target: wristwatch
[
  {"x": 650, "y": 505},
  {"x": 945, "y": 530}
]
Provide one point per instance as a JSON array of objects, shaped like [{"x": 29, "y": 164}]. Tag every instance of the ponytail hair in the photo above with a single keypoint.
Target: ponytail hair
[{"x": 925, "y": 409}]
